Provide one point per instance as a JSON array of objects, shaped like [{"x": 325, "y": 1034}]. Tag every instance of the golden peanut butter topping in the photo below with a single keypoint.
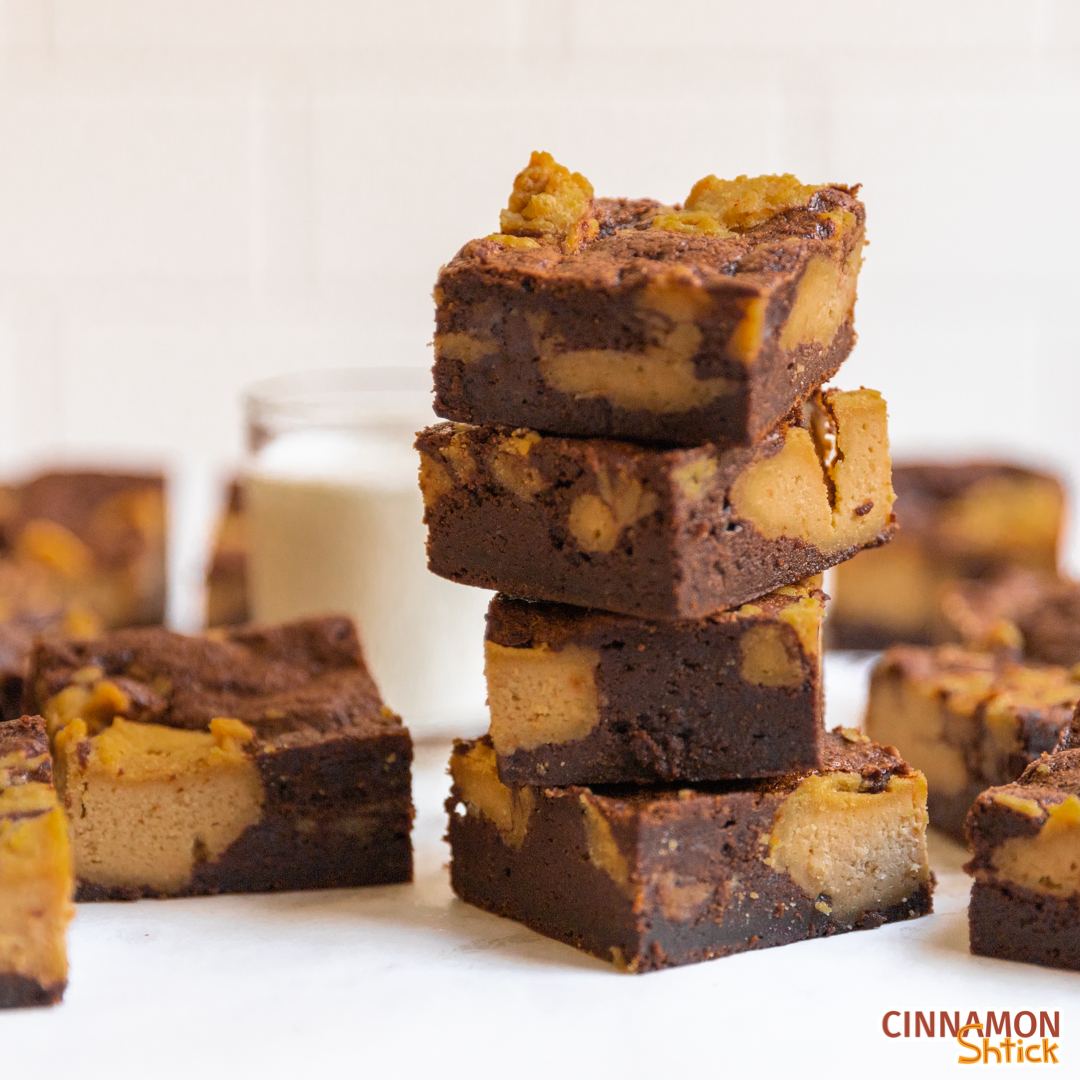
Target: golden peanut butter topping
[
  {"x": 551, "y": 202},
  {"x": 746, "y": 202}
]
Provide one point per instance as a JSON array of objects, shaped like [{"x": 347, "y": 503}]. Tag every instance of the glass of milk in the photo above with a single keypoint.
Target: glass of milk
[{"x": 336, "y": 525}]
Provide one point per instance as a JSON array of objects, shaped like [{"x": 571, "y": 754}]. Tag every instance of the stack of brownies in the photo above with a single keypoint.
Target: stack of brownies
[{"x": 645, "y": 467}]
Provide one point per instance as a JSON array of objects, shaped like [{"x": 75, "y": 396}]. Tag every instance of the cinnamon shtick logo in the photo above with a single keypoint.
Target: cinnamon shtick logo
[{"x": 1026, "y": 1038}]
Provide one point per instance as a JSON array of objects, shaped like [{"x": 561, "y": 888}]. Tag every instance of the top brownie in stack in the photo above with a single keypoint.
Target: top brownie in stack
[{"x": 626, "y": 319}]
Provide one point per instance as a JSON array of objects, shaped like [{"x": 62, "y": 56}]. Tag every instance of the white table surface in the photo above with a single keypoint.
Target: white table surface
[{"x": 406, "y": 980}]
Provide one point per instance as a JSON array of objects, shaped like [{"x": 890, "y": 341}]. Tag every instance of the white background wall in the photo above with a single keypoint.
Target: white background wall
[{"x": 198, "y": 193}]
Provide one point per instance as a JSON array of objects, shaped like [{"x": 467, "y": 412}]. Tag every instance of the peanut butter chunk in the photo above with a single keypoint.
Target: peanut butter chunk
[{"x": 649, "y": 878}]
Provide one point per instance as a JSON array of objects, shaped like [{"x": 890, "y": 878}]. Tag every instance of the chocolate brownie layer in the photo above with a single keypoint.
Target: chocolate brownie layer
[
  {"x": 1009, "y": 922},
  {"x": 1025, "y": 844},
  {"x": 301, "y": 775},
  {"x": 1036, "y": 614},
  {"x": 968, "y": 720},
  {"x": 652, "y": 323},
  {"x": 35, "y": 870},
  {"x": 586, "y": 697},
  {"x": 958, "y": 523},
  {"x": 96, "y": 539},
  {"x": 654, "y": 878},
  {"x": 661, "y": 534}
]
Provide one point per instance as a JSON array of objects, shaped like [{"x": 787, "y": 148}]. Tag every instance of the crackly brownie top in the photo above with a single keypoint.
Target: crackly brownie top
[
  {"x": 969, "y": 680},
  {"x": 24, "y": 752},
  {"x": 1048, "y": 787},
  {"x": 483, "y": 439},
  {"x": 109, "y": 512},
  {"x": 71, "y": 498},
  {"x": 554, "y": 229},
  {"x": 928, "y": 495},
  {"x": 1029, "y": 611},
  {"x": 844, "y": 750},
  {"x": 942, "y": 482},
  {"x": 518, "y": 623},
  {"x": 293, "y": 683}
]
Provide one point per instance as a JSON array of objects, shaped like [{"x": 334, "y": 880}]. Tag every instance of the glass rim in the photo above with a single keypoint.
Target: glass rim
[{"x": 340, "y": 397}]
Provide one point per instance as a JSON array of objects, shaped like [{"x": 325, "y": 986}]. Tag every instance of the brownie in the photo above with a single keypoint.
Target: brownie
[
  {"x": 579, "y": 696},
  {"x": 16, "y": 646},
  {"x": 87, "y": 543},
  {"x": 627, "y": 319},
  {"x": 655, "y": 877},
  {"x": 958, "y": 523},
  {"x": 35, "y": 870},
  {"x": 253, "y": 760},
  {"x": 1035, "y": 614},
  {"x": 968, "y": 720},
  {"x": 227, "y": 600},
  {"x": 1025, "y": 843},
  {"x": 657, "y": 533}
]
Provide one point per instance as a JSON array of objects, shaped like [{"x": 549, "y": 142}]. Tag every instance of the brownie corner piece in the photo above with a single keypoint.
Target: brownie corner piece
[
  {"x": 1024, "y": 840},
  {"x": 579, "y": 696},
  {"x": 301, "y": 775},
  {"x": 962, "y": 527},
  {"x": 656, "y": 533},
  {"x": 653, "y": 878},
  {"x": 36, "y": 881},
  {"x": 626, "y": 319},
  {"x": 967, "y": 719}
]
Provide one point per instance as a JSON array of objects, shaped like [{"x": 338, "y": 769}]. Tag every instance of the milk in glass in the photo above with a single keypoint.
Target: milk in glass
[{"x": 336, "y": 520}]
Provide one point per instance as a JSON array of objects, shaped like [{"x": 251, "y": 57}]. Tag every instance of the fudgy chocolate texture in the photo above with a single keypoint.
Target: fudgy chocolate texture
[
  {"x": 967, "y": 720},
  {"x": 1011, "y": 922},
  {"x": 958, "y": 524},
  {"x": 659, "y": 877},
  {"x": 737, "y": 694},
  {"x": 1025, "y": 843},
  {"x": 649, "y": 334},
  {"x": 333, "y": 762},
  {"x": 660, "y": 534}
]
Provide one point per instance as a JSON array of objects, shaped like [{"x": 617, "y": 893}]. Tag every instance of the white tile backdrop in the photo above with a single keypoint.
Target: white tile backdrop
[{"x": 198, "y": 193}]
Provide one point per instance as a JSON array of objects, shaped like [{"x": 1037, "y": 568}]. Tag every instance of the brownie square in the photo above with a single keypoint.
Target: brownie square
[
  {"x": 35, "y": 870},
  {"x": 968, "y": 720},
  {"x": 652, "y": 878},
  {"x": 660, "y": 534},
  {"x": 958, "y": 523},
  {"x": 250, "y": 760},
  {"x": 1035, "y": 614},
  {"x": 91, "y": 544},
  {"x": 1025, "y": 844},
  {"x": 626, "y": 319},
  {"x": 579, "y": 696}
]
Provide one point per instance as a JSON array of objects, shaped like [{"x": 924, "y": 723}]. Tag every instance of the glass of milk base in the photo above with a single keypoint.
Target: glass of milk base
[{"x": 336, "y": 522}]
